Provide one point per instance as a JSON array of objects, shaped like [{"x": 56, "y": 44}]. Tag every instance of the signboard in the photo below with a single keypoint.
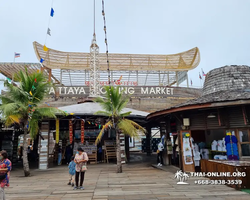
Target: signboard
[
  {"x": 102, "y": 83},
  {"x": 89, "y": 149},
  {"x": 181, "y": 77},
  {"x": 136, "y": 90}
]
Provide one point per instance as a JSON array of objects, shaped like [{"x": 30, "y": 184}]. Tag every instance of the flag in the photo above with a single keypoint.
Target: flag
[
  {"x": 191, "y": 82},
  {"x": 200, "y": 76},
  {"x": 17, "y": 55},
  {"x": 203, "y": 72},
  {"x": 48, "y": 32},
  {"x": 45, "y": 48},
  {"x": 52, "y": 12},
  {"x": 31, "y": 93},
  {"x": 41, "y": 61}
]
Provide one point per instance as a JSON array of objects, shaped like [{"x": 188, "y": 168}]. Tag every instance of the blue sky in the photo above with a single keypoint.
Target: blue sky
[{"x": 219, "y": 28}]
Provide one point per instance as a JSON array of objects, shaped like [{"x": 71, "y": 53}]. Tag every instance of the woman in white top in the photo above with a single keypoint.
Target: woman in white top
[{"x": 81, "y": 159}]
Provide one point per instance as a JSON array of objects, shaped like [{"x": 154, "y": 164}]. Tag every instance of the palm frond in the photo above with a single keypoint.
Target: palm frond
[
  {"x": 12, "y": 119},
  {"x": 29, "y": 94},
  {"x": 9, "y": 108},
  {"x": 33, "y": 127},
  {"x": 127, "y": 128},
  {"x": 137, "y": 125},
  {"x": 103, "y": 113},
  {"x": 130, "y": 127},
  {"x": 45, "y": 112},
  {"x": 125, "y": 114},
  {"x": 122, "y": 104},
  {"x": 100, "y": 135}
]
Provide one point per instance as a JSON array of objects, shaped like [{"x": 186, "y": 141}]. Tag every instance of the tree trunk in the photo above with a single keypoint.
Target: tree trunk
[
  {"x": 26, "y": 167},
  {"x": 118, "y": 152}
]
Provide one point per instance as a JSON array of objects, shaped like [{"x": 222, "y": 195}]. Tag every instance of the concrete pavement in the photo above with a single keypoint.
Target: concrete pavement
[{"x": 138, "y": 181}]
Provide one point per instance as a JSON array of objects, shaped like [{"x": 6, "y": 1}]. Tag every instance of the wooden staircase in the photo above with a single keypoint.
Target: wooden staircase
[{"x": 110, "y": 150}]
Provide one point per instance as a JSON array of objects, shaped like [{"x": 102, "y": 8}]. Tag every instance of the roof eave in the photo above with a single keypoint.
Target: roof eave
[{"x": 197, "y": 106}]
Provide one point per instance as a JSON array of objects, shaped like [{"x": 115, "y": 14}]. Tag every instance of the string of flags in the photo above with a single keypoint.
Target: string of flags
[
  {"x": 45, "y": 48},
  {"x": 98, "y": 125},
  {"x": 107, "y": 55},
  {"x": 30, "y": 104}
]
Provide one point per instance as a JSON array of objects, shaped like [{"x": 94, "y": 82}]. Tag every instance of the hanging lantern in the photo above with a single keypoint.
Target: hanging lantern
[
  {"x": 70, "y": 131},
  {"x": 82, "y": 131}
]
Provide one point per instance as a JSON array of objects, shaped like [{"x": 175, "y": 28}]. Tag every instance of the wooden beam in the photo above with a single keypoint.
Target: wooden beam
[
  {"x": 219, "y": 120},
  {"x": 244, "y": 114},
  {"x": 49, "y": 70}
]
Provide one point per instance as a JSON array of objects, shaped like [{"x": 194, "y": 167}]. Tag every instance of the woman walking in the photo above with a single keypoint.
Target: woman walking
[
  {"x": 81, "y": 160},
  {"x": 5, "y": 167}
]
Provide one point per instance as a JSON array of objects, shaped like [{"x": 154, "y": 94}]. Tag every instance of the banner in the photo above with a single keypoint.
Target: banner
[
  {"x": 57, "y": 131},
  {"x": 70, "y": 131},
  {"x": 82, "y": 131}
]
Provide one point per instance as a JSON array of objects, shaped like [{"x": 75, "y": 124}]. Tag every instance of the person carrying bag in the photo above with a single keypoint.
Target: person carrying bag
[{"x": 81, "y": 160}]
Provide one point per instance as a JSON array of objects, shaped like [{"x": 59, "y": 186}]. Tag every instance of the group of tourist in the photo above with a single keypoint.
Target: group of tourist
[{"x": 77, "y": 169}]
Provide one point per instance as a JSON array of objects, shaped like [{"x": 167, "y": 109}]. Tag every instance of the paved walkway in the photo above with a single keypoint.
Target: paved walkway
[{"x": 138, "y": 181}]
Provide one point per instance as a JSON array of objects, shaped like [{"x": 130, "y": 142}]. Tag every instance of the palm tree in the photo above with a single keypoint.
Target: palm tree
[
  {"x": 185, "y": 176},
  {"x": 178, "y": 175},
  {"x": 113, "y": 103},
  {"x": 22, "y": 104}
]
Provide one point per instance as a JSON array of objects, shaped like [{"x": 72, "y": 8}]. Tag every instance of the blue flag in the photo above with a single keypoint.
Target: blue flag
[
  {"x": 52, "y": 12},
  {"x": 41, "y": 61}
]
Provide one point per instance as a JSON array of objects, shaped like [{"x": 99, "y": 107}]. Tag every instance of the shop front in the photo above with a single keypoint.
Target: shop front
[
  {"x": 214, "y": 129},
  {"x": 60, "y": 138}
]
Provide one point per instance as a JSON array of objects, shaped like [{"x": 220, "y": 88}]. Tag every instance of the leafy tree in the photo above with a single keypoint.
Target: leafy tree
[
  {"x": 113, "y": 103},
  {"x": 22, "y": 104}
]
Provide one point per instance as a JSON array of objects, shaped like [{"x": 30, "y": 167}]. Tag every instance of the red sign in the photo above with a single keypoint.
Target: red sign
[
  {"x": 82, "y": 131},
  {"x": 70, "y": 131},
  {"x": 117, "y": 82}
]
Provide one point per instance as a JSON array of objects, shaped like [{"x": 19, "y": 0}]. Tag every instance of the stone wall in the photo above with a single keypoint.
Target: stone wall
[{"x": 233, "y": 77}]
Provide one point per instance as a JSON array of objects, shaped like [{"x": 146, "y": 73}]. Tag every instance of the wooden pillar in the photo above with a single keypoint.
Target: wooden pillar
[
  {"x": 15, "y": 147},
  {"x": 122, "y": 146},
  {"x": 49, "y": 70},
  {"x": 44, "y": 144},
  {"x": 148, "y": 141},
  {"x": 127, "y": 147}
]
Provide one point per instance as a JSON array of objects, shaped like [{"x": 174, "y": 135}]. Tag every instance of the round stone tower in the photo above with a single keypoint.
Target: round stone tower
[{"x": 232, "y": 77}]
